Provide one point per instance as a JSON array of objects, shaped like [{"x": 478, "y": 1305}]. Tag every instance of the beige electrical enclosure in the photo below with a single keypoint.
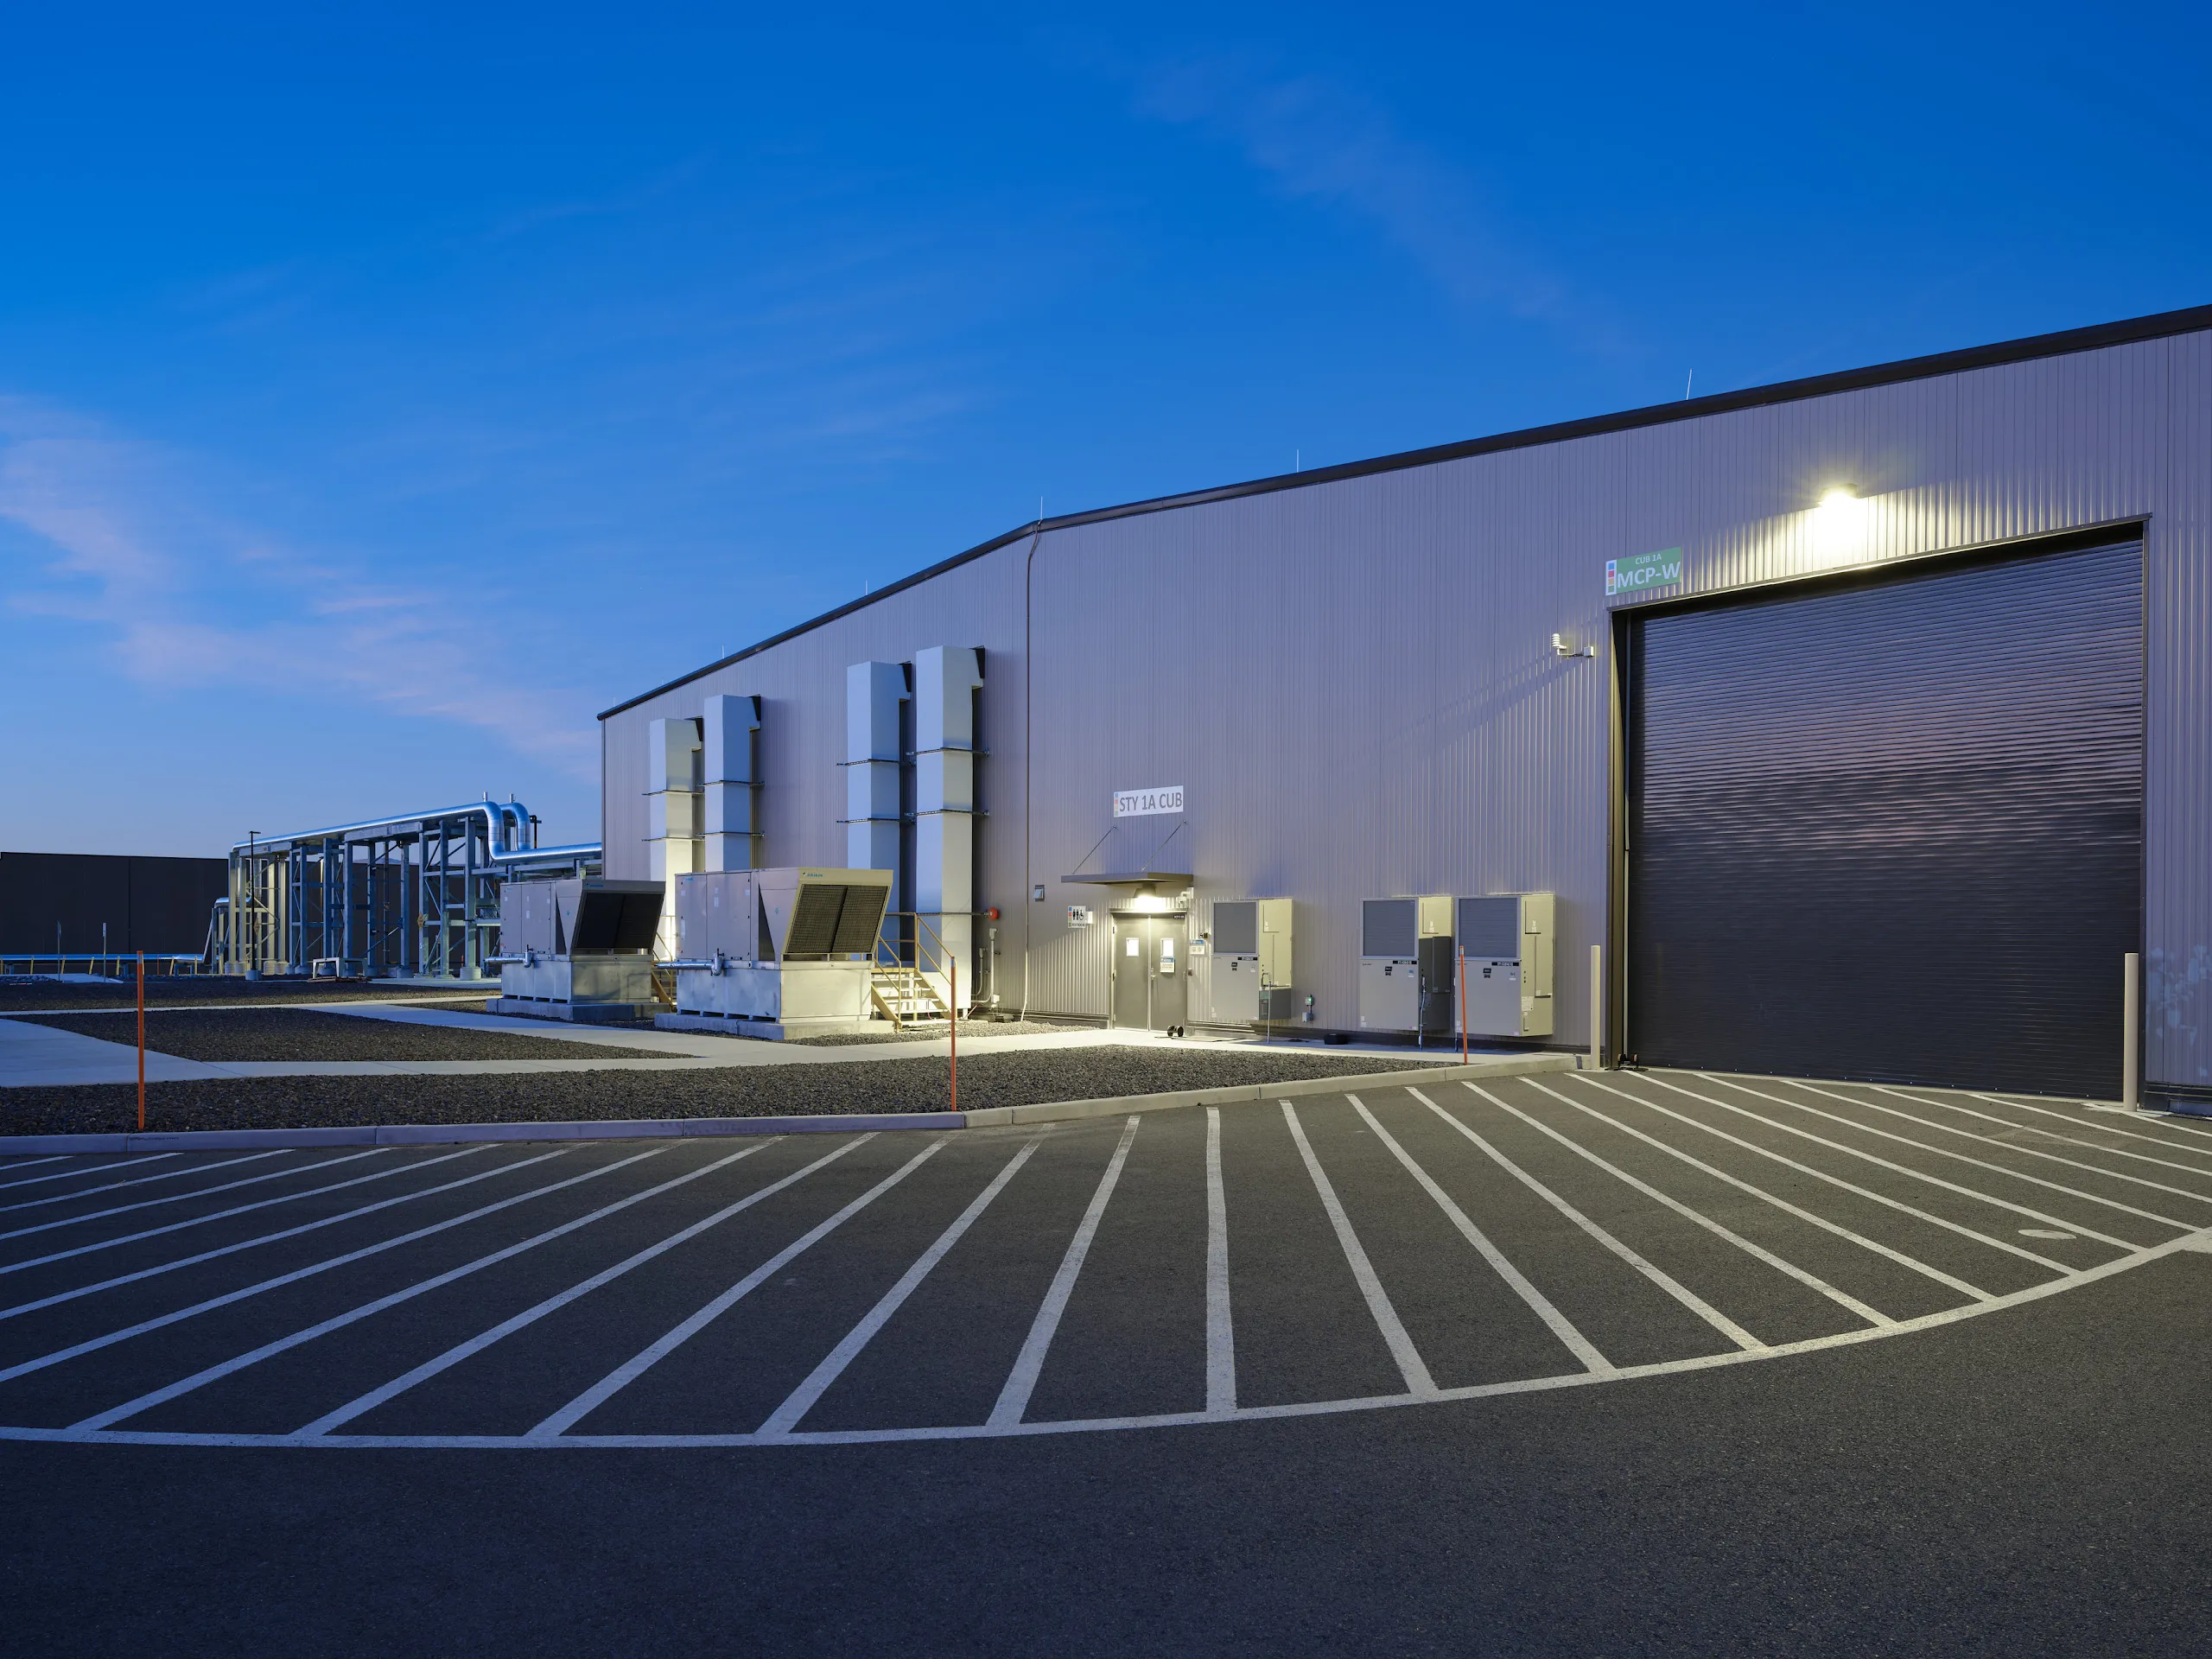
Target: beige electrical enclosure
[{"x": 1505, "y": 947}]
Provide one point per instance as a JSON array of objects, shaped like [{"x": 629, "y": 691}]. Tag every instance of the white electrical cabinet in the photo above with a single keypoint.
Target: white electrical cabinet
[
  {"x": 1405, "y": 964},
  {"x": 1505, "y": 956},
  {"x": 1249, "y": 975}
]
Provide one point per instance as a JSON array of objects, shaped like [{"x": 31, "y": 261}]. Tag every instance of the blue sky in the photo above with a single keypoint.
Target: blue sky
[{"x": 382, "y": 395}]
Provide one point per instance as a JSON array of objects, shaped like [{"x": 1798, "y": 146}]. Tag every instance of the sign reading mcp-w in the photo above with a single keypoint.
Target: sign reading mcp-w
[{"x": 1641, "y": 570}]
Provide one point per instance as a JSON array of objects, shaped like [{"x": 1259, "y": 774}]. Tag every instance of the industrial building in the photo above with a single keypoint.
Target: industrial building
[{"x": 1859, "y": 720}]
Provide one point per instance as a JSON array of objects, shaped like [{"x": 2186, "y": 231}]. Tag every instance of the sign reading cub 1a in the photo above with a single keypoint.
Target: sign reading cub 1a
[
  {"x": 1148, "y": 802},
  {"x": 1641, "y": 570}
]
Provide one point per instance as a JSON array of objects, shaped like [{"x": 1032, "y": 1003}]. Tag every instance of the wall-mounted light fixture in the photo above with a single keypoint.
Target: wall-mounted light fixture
[
  {"x": 1561, "y": 647},
  {"x": 1839, "y": 524}
]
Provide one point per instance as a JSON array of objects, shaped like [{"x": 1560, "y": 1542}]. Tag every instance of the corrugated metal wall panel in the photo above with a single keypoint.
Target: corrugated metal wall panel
[{"x": 1354, "y": 681}]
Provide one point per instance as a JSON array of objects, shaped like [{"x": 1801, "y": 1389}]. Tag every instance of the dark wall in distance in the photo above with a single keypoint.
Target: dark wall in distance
[{"x": 148, "y": 904}]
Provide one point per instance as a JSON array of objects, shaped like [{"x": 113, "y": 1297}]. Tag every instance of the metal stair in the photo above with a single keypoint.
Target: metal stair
[{"x": 902, "y": 993}]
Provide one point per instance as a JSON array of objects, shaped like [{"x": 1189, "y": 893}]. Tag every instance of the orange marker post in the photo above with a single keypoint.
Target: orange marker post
[
  {"x": 952, "y": 1024},
  {"x": 1463, "y": 1007},
  {"x": 141, "y": 1042}
]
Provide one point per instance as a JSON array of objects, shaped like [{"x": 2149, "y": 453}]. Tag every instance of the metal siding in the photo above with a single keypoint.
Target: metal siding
[{"x": 1353, "y": 678}]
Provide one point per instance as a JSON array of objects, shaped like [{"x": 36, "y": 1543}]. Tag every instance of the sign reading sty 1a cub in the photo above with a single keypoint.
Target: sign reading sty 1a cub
[
  {"x": 1641, "y": 570},
  {"x": 1148, "y": 802}
]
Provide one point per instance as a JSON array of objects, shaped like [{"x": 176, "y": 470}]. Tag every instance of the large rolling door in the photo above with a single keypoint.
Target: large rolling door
[{"x": 1891, "y": 830}]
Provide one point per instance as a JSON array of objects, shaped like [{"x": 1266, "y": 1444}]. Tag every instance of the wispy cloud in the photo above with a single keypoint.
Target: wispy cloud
[
  {"x": 121, "y": 540},
  {"x": 1321, "y": 141}
]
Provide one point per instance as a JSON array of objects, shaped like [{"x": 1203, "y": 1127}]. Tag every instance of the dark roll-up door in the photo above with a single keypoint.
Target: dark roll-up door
[{"x": 1892, "y": 830}]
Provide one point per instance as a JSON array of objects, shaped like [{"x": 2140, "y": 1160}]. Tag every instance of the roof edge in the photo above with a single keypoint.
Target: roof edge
[{"x": 2159, "y": 326}]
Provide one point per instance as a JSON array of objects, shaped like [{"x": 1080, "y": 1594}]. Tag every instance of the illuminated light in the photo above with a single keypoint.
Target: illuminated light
[{"x": 1839, "y": 525}]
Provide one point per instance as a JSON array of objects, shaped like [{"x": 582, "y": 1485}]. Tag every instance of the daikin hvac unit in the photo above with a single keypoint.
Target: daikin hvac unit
[
  {"x": 1505, "y": 950},
  {"x": 776, "y": 953},
  {"x": 1405, "y": 965},
  {"x": 1251, "y": 962},
  {"x": 578, "y": 949}
]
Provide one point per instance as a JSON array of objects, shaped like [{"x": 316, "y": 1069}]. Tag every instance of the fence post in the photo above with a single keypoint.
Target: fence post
[{"x": 2131, "y": 1050}]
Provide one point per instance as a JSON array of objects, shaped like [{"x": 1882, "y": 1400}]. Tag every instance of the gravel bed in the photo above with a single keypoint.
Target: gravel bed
[
  {"x": 907, "y": 1086},
  {"x": 935, "y": 1028},
  {"x": 303, "y": 1035},
  {"x": 209, "y": 990}
]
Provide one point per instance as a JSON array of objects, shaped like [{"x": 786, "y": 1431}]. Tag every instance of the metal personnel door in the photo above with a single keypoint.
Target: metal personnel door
[
  {"x": 1150, "y": 971},
  {"x": 1891, "y": 830}
]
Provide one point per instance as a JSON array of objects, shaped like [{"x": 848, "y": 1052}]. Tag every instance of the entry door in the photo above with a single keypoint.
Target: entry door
[
  {"x": 1892, "y": 830},
  {"x": 1151, "y": 971}
]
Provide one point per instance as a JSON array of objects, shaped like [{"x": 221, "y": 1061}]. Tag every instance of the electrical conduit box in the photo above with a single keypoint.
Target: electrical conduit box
[
  {"x": 578, "y": 949},
  {"x": 1405, "y": 964},
  {"x": 777, "y": 953},
  {"x": 1505, "y": 949},
  {"x": 1250, "y": 957}
]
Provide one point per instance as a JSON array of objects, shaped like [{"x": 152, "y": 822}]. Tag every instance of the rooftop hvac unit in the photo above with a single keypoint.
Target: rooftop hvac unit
[
  {"x": 1505, "y": 950},
  {"x": 580, "y": 949},
  {"x": 1250, "y": 977},
  {"x": 776, "y": 953},
  {"x": 1405, "y": 965}
]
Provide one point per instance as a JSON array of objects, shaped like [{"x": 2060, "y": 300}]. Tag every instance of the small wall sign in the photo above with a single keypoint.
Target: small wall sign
[
  {"x": 1641, "y": 570},
  {"x": 1148, "y": 802},
  {"x": 1078, "y": 916}
]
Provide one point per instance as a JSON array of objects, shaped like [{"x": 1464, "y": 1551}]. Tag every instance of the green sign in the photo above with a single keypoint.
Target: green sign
[{"x": 1641, "y": 570}]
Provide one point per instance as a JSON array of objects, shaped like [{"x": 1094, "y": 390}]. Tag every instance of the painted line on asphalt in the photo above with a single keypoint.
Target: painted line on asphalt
[
  {"x": 2071, "y": 1140},
  {"x": 314, "y": 1268},
  {"x": 476, "y": 1345},
  {"x": 2004, "y": 1245},
  {"x": 1029, "y": 1364},
  {"x": 2101, "y": 1128},
  {"x": 284, "y": 1174},
  {"x": 623, "y": 1376},
  {"x": 1411, "y": 1365},
  {"x": 1756, "y": 1251},
  {"x": 1812, "y": 1217},
  {"x": 1221, "y": 1329},
  {"x": 33, "y": 1163},
  {"x": 72, "y": 1174},
  {"x": 1539, "y": 1304},
  {"x": 803, "y": 1398},
  {"x": 1673, "y": 1287},
  {"x": 407, "y": 1293},
  {"x": 138, "y": 1180},
  {"x": 1963, "y": 1158},
  {"x": 2197, "y": 1242}
]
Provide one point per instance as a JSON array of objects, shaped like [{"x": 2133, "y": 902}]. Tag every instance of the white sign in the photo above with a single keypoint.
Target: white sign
[{"x": 1148, "y": 802}]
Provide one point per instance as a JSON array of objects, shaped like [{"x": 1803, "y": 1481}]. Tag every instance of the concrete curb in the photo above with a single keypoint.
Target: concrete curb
[{"x": 1055, "y": 1111}]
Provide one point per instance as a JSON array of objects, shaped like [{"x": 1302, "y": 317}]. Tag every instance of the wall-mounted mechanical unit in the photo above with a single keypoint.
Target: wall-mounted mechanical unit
[
  {"x": 1505, "y": 950},
  {"x": 1250, "y": 975},
  {"x": 777, "y": 953},
  {"x": 578, "y": 949},
  {"x": 1405, "y": 965}
]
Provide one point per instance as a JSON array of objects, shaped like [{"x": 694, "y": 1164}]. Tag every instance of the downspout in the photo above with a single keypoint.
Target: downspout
[{"x": 1028, "y": 676}]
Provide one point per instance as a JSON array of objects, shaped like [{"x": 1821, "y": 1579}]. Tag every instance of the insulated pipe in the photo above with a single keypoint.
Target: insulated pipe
[{"x": 506, "y": 833}]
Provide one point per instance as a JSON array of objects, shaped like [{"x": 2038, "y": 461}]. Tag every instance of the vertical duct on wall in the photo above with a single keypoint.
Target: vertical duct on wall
[
  {"x": 946, "y": 679},
  {"x": 672, "y": 803},
  {"x": 873, "y": 694},
  {"x": 729, "y": 729}
]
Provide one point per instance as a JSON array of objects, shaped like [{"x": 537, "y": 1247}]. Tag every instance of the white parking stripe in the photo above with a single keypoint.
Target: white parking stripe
[
  {"x": 1811, "y": 1217},
  {"x": 1411, "y": 1366},
  {"x": 76, "y": 1291},
  {"x": 1957, "y": 1157},
  {"x": 138, "y": 1180},
  {"x": 1029, "y": 1364},
  {"x": 476, "y": 1345},
  {"x": 407, "y": 1293},
  {"x": 284, "y": 1174},
  {"x": 2004, "y": 1245},
  {"x": 94, "y": 1169},
  {"x": 1941, "y": 1127},
  {"x": 121, "y": 1239},
  {"x": 1681, "y": 1293},
  {"x": 33, "y": 1163},
  {"x": 615, "y": 1380},
  {"x": 1221, "y": 1331},
  {"x": 1757, "y": 1252},
  {"x": 2037, "y": 1128},
  {"x": 1582, "y": 1348},
  {"x": 803, "y": 1399},
  {"x": 159, "y": 1321},
  {"x": 2101, "y": 1128}
]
